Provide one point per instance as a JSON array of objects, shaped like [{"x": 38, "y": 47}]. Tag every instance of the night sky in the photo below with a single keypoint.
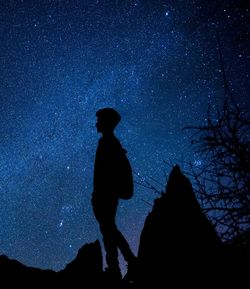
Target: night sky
[{"x": 156, "y": 62}]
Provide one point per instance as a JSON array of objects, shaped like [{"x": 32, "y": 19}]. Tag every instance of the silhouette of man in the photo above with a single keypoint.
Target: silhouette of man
[{"x": 104, "y": 197}]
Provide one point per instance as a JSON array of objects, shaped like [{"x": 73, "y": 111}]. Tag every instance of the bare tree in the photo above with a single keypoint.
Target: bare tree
[{"x": 223, "y": 179}]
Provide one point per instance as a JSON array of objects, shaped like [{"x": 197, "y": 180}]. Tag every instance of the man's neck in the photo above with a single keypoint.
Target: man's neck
[{"x": 108, "y": 134}]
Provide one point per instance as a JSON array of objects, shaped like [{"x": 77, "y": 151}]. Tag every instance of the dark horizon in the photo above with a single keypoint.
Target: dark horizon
[{"x": 177, "y": 240}]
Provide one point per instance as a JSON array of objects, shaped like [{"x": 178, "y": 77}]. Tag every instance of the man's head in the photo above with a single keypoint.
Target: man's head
[{"x": 107, "y": 119}]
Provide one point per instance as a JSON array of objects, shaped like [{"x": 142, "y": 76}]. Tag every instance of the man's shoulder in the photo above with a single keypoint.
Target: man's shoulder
[
  {"x": 110, "y": 144},
  {"x": 111, "y": 140}
]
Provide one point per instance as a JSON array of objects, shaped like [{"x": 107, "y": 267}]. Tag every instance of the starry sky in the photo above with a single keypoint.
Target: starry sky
[{"x": 156, "y": 62}]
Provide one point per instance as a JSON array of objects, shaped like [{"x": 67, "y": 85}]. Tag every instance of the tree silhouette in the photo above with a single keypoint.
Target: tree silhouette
[{"x": 223, "y": 180}]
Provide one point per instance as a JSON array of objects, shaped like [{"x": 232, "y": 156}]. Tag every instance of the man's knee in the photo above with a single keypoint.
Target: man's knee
[{"x": 107, "y": 227}]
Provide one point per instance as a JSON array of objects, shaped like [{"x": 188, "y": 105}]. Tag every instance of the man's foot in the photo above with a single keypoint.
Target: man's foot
[
  {"x": 131, "y": 272},
  {"x": 113, "y": 277}
]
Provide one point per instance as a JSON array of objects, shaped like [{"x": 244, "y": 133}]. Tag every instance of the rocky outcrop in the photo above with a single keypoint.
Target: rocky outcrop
[
  {"x": 88, "y": 261},
  {"x": 177, "y": 242},
  {"x": 85, "y": 269}
]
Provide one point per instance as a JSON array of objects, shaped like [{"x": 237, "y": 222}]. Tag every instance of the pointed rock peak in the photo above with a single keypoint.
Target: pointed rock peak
[
  {"x": 176, "y": 169},
  {"x": 176, "y": 173},
  {"x": 178, "y": 183}
]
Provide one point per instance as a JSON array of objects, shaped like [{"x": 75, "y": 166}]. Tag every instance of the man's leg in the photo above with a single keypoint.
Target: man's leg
[
  {"x": 123, "y": 246},
  {"x": 106, "y": 218},
  {"x": 110, "y": 246}
]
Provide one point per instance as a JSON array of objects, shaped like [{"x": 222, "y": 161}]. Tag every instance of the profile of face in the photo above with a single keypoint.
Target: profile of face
[
  {"x": 102, "y": 126},
  {"x": 99, "y": 125}
]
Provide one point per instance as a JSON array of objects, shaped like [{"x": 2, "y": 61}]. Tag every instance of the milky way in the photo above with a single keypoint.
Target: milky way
[{"x": 156, "y": 62}]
